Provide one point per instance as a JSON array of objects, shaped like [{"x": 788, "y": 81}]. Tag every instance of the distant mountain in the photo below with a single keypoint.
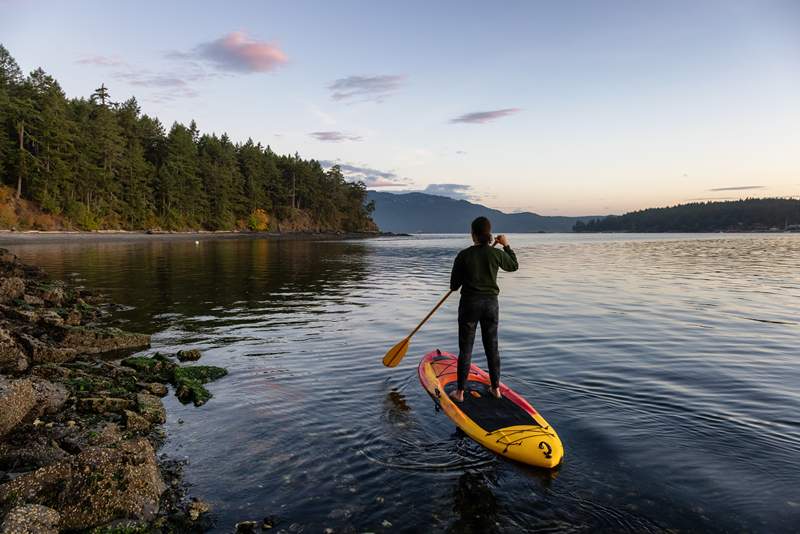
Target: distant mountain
[
  {"x": 424, "y": 213},
  {"x": 749, "y": 215}
]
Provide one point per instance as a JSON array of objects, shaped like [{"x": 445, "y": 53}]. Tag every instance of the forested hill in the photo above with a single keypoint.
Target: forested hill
[
  {"x": 97, "y": 163},
  {"x": 421, "y": 212},
  {"x": 755, "y": 214}
]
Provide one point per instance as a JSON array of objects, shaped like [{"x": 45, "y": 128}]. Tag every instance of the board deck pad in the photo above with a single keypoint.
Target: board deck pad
[
  {"x": 489, "y": 412},
  {"x": 509, "y": 426}
]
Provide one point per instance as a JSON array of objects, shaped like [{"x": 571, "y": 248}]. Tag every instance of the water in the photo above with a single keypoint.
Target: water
[{"x": 668, "y": 364}]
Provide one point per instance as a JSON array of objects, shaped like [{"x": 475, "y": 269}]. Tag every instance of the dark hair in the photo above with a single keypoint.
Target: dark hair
[{"x": 482, "y": 230}]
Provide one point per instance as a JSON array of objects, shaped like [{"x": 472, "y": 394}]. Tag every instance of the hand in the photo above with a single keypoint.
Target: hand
[{"x": 501, "y": 240}]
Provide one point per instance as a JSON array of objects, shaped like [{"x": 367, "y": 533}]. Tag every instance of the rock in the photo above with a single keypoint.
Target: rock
[
  {"x": 31, "y": 519},
  {"x": 157, "y": 389},
  {"x": 155, "y": 368},
  {"x": 54, "y": 296},
  {"x": 16, "y": 401},
  {"x": 50, "y": 397},
  {"x": 95, "y": 487},
  {"x": 12, "y": 357},
  {"x": 135, "y": 422},
  {"x": 31, "y": 454},
  {"x": 197, "y": 508},
  {"x": 40, "y": 352},
  {"x": 103, "y": 404},
  {"x": 189, "y": 382},
  {"x": 189, "y": 355},
  {"x": 246, "y": 527},
  {"x": 32, "y": 300},
  {"x": 73, "y": 318},
  {"x": 151, "y": 408},
  {"x": 100, "y": 340},
  {"x": 11, "y": 289},
  {"x": 50, "y": 317}
]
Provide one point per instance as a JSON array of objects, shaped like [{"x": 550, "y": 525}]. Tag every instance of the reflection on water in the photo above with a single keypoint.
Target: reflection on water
[{"x": 668, "y": 365}]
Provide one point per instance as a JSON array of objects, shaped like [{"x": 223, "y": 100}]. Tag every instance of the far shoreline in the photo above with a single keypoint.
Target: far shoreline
[{"x": 10, "y": 237}]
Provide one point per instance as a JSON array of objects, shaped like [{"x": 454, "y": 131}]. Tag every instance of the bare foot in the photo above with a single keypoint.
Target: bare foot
[
  {"x": 496, "y": 392},
  {"x": 457, "y": 395}
]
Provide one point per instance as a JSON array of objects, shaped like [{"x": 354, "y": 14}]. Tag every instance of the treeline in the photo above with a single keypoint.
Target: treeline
[
  {"x": 752, "y": 214},
  {"x": 104, "y": 164}
]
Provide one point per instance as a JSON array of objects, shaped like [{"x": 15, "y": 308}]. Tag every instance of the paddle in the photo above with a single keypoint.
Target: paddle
[{"x": 397, "y": 352}]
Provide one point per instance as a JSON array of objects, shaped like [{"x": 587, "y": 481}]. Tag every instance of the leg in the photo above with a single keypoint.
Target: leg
[
  {"x": 489, "y": 322},
  {"x": 467, "y": 323}
]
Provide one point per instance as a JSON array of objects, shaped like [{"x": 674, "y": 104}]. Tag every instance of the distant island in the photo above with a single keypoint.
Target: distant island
[
  {"x": 749, "y": 215},
  {"x": 434, "y": 214},
  {"x": 93, "y": 163}
]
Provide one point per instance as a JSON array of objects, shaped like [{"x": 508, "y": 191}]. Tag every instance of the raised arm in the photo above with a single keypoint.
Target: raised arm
[{"x": 507, "y": 260}]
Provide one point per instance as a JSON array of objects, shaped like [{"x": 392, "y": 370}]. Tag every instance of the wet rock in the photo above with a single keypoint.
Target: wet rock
[
  {"x": 50, "y": 397},
  {"x": 197, "y": 508},
  {"x": 157, "y": 389},
  {"x": 33, "y": 300},
  {"x": 246, "y": 527},
  {"x": 100, "y": 340},
  {"x": 101, "y": 405},
  {"x": 189, "y": 382},
  {"x": 51, "y": 318},
  {"x": 95, "y": 487},
  {"x": 51, "y": 371},
  {"x": 31, "y": 519},
  {"x": 73, "y": 317},
  {"x": 54, "y": 295},
  {"x": 191, "y": 355},
  {"x": 12, "y": 356},
  {"x": 157, "y": 368},
  {"x": 30, "y": 454},
  {"x": 135, "y": 422},
  {"x": 16, "y": 401},
  {"x": 151, "y": 408},
  {"x": 40, "y": 352},
  {"x": 11, "y": 289}
]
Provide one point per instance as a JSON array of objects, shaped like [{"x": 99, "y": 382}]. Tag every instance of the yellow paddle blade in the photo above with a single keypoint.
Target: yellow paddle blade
[{"x": 396, "y": 353}]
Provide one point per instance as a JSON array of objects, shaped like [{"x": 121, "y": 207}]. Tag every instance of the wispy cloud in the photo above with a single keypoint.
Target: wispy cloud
[
  {"x": 456, "y": 191},
  {"x": 238, "y": 52},
  {"x": 739, "y": 188},
  {"x": 371, "y": 177},
  {"x": 334, "y": 136},
  {"x": 365, "y": 88},
  {"x": 102, "y": 61},
  {"x": 707, "y": 199},
  {"x": 481, "y": 117}
]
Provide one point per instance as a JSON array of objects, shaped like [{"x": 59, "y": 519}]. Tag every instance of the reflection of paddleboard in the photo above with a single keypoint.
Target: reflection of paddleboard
[{"x": 508, "y": 426}]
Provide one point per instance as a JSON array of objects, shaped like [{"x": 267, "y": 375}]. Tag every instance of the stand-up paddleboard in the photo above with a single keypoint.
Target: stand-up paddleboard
[{"x": 508, "y": 426}]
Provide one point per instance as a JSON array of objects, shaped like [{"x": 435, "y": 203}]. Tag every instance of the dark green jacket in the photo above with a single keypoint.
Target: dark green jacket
[{"x": 475, "y": 269}]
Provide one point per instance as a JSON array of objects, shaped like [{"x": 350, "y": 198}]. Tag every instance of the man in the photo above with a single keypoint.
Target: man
[{"x": 475, "y": 272}]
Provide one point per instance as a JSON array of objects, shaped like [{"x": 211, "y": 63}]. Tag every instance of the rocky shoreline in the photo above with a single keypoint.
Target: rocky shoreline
[{"x": 81, "y": 420}]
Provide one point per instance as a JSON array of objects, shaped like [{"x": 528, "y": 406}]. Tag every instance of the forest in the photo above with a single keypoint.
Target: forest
[
  {"x": 747, "y": 215},
  {"x": 95, "y": 163}
]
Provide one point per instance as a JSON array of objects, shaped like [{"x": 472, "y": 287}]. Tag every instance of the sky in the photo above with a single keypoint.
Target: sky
[{"x": 560, "y": 108}]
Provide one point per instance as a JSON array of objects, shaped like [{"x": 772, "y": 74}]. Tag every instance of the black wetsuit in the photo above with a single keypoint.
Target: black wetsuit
[{"x": 475, "y": 272}]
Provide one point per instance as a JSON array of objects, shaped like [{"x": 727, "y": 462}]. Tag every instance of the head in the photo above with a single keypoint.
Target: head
[{"x": 481, "y": 231}]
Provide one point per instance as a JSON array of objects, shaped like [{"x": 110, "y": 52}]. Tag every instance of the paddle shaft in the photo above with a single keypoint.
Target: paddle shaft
[{"x": 430, "y": 313}]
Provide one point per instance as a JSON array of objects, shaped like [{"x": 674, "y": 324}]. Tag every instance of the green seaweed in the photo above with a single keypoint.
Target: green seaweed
[{"x": 189, "y": 382}]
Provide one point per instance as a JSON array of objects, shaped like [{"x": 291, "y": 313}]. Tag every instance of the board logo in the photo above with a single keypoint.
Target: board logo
[{"x": 548, "y": 453}]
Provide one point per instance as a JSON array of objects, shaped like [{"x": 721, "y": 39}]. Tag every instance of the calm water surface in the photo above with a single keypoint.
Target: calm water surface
[{"x": 668, "y": 364}]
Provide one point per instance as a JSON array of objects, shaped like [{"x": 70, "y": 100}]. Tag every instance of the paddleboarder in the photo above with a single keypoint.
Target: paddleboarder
[{"x": 475, "y": 272}]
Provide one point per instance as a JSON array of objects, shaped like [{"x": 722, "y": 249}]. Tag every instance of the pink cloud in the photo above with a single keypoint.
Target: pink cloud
[
  {"x": 481, "y": 117},
  {"x": 101, "y": 61},
  {"x": 236, "y": 51}
]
